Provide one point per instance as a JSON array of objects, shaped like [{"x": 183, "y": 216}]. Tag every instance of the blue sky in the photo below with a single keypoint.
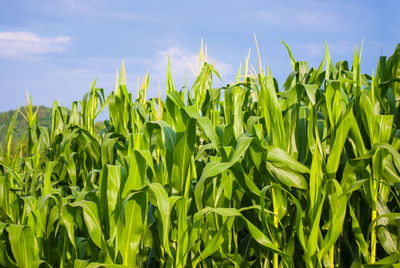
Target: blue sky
[{"x": 56, "y": 48}]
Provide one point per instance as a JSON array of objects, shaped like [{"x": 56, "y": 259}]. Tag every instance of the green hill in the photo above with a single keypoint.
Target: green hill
[{"x": 43, "y": 116}]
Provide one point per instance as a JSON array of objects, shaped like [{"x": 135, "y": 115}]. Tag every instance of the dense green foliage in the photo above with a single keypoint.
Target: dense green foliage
[
  {"x": 21, "y": 125},
  {"x": 249, "y": 174}
]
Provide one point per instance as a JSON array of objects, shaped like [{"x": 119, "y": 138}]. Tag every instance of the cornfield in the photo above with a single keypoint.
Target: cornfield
[{"x": 246, "y": 175}]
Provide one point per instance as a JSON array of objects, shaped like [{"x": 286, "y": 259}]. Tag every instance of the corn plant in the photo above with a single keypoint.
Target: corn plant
[{"x": 246, "y": 175}]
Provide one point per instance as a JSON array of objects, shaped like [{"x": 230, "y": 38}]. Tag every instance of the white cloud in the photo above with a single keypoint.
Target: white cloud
[
  {"x": 17, "y": 44},
  {"x": 186, "y": 64}
]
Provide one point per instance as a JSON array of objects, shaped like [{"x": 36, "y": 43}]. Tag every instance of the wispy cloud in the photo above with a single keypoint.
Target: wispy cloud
[
  {"x": 21, "y": 44},
  {"x": 185, "y": 63}
]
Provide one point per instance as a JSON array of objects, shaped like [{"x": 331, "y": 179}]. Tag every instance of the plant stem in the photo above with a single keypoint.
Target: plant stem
[
  {"x": 275, "y": 259},
  {"x": 373, "y": 237},
  {"x": 332, "y": 256},
  {"x": 373, "y": 217}
]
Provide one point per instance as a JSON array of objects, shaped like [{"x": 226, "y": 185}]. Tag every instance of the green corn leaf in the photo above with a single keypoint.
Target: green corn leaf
[
  {"x": 161, "y": 198},
  {"x": 131, "y": 225},
  {"x": 92, "y": 220},
  {"x": 23, "y": 244}
]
